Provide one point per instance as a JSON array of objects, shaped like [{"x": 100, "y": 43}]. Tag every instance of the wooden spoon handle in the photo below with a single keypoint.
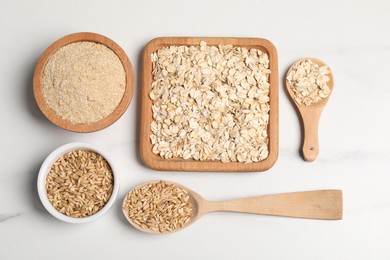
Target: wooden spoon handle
[
  {"x": 310, "y": 148},
  {"x": 321, "y": 204}
]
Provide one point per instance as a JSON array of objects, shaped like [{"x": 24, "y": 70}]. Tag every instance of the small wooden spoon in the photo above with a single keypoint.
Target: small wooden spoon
[
  {"x": 311, "y": 116},
  {"x": 319, "y": 204}
]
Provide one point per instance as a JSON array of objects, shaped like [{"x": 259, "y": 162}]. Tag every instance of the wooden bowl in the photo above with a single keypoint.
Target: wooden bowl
[
  {"x": 119, "y": 110},
  {"x": 154, "y": 161}
]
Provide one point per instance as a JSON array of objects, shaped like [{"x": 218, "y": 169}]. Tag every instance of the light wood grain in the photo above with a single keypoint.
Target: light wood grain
[
  {"x": 103, "y": 123},
  {"x": 318, "y": 204},
  {"x": 310, "y": 116},
  {"x": 178, "y": 164}
]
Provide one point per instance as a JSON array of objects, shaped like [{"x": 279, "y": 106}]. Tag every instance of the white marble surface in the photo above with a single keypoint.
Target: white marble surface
[{"x": 351, "y": 36}]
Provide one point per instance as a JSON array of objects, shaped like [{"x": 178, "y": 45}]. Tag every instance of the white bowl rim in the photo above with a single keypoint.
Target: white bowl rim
[{"x": 45, "y": 169}]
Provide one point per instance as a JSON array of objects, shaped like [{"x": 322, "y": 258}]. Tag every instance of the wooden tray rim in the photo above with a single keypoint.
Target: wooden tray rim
[{"x": 154, "y": 161}]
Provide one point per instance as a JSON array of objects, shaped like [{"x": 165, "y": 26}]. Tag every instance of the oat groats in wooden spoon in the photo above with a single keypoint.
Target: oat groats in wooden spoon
[
  {"x": 310, "y": 83},
  {"x": 165, "y": 207}
]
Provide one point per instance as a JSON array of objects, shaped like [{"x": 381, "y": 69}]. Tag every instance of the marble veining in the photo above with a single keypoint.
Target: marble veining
[{"x": 5, "y": 217}]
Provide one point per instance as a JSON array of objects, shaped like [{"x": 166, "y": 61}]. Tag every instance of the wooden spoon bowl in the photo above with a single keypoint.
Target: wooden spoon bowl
[
  {"x": 311, "y": 115},
  {"x": 98, "y": 125},
  {"x": 194, "y": 199},
  {"x": 319, "y": 204}
]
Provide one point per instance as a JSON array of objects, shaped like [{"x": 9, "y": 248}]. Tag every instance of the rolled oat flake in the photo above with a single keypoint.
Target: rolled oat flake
[{"x": 83, "y": 82}]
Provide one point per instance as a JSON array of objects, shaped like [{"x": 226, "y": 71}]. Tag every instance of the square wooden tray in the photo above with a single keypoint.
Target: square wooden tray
[{"x": 178, "y": 164}]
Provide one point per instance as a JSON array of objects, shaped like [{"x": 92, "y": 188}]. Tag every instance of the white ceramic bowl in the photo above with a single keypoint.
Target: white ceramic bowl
[{"x": 45, "y": 169}]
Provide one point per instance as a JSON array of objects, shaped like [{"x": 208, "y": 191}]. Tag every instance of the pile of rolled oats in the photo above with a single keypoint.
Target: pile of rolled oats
[
  {"x": 309, "y": 81},
  {"x": 210, "y": 103}
]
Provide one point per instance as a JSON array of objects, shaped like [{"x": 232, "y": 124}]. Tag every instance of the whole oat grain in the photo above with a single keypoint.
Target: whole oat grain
[
  {"x": 83, "y": 82},
  {"x": 80, "y": 183},
  {"x": 159, "y": 206}
]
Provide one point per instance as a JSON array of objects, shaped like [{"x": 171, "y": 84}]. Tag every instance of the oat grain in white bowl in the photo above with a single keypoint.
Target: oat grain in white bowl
[{"x": 78, "y": 183}]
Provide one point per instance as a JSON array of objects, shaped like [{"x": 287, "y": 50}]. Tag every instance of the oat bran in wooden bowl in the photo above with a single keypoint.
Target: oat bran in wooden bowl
[
  {"x": 83, "y": 82},
  {"x": 78, "y": 183}
]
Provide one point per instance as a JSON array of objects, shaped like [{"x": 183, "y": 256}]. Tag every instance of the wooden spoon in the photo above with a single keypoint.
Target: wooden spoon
[
  {"x": 319, "y": 204},
  {"x": 311, "y": 116}
]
